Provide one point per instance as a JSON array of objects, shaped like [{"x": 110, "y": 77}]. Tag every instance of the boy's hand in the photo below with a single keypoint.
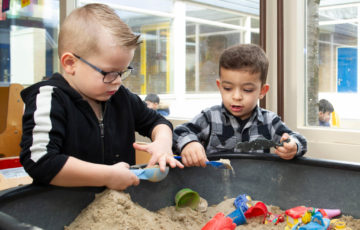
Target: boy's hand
[
  {"x": 193, "y": 154},
  {"x": 121, "y": 177},
  {"x": 288, "y": 151},
  {"x": 159, "y": 154}
]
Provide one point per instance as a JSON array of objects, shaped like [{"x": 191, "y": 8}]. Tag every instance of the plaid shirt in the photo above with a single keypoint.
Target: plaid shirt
[{"x": 218, "y": 130}]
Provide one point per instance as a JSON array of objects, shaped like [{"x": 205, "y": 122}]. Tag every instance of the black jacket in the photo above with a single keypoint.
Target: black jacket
[{"x": 58, "y": 123}]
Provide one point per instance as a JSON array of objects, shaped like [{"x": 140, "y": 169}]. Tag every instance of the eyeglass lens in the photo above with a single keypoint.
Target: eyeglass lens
[{"x": 110, "y": 77}]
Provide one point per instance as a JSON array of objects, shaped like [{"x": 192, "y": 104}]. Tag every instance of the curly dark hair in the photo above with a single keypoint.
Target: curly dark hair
[
  {"x": 325, "y": 106},
  {"x": 152, "y": 98},
  {"x": 245, "y": 56}
]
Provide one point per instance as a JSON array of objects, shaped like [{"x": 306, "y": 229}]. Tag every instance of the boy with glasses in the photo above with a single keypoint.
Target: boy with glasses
[{"x": 79, "y": 126}]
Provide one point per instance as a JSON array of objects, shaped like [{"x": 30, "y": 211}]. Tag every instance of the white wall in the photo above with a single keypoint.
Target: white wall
[{"x": 28, "y": 55}]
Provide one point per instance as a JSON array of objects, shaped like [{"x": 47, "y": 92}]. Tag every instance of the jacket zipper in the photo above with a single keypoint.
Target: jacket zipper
[
  {"x": 102, "y": 134},
  {"x": 101, "y": 126}
]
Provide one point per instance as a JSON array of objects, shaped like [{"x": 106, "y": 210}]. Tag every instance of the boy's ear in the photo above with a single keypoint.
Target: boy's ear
[
  {"x": 218, "y": 83},
  {"x": 264, "y": 89},
  {"x": 67, "y": 62}
]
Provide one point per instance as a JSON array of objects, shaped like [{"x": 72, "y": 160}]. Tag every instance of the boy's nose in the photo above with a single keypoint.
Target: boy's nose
[{"x": 237, "y": 95}]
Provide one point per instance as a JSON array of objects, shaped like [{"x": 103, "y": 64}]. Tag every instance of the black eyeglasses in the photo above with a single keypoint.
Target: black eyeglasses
[{"x": 108, "y": 76}]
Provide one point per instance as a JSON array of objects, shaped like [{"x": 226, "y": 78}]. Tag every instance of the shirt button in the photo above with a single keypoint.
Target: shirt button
[{"x": 117, "y": 155}]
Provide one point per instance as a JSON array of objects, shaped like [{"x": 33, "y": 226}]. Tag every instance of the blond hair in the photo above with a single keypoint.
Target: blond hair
[{"x": 81, "y": 29}]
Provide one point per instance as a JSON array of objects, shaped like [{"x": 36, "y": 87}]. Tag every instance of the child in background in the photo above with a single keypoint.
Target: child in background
[
  {"x": 243, "y": 72},
  {"x": 79, "y": 126},
  {"x": 153, "y": 102},
  {"x": 325, "y": 110}
]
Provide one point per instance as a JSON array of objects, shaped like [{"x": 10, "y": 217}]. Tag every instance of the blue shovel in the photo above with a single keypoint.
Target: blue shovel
[{"x": 216, "y": 164}]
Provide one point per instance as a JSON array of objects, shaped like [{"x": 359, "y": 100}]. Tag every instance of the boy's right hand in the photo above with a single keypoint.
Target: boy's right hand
[
  {"x": 193, "y": 154},
  {"x": 121, "y": 177}
]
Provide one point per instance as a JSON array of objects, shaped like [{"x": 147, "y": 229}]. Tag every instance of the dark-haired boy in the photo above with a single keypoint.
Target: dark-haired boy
[
  {"x": 325, "y": 110},
  {"x": 243, "y": 70},
  {"x": 153, "y": 102}
]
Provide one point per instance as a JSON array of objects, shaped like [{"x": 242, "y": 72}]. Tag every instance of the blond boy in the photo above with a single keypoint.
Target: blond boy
[{"x": 78, "y": 127}]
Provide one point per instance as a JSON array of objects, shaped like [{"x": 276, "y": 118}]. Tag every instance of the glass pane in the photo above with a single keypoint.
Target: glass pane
[
  {"x": 248, "y": 6},
  {"x": 151, "y": 62},
  {"x": 153, "y": 5},
  {"x": 28, "y": 42},
  {"x": 210, "y": 46},
  {"x": 206, "y": 41},
  {"x": 214, "y": 15},
  {"x": 330, "y": 14},
  {"x": 332, "y": 65}
]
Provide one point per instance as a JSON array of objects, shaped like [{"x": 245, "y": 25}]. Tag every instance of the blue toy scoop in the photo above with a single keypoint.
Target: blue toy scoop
[
  {"x": 151, "y": 174},
  {"x": 221, "y": 164}
]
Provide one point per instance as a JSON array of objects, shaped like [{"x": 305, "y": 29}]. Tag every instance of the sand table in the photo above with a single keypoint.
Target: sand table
[{"x": 115, "y": 210}]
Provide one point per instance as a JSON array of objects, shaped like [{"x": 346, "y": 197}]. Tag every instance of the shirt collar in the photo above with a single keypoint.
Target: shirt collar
[{"x": 259, "y": 114}]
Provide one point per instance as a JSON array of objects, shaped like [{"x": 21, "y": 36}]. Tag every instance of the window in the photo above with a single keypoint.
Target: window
[
  {"x": 316, "y": 54},
  {"x": 28, "y": 42},
  {"x": 209, "y": 31},
  {"x": 152, "y": 61},
  {"x": 332, "y": 66},
  {"x": 165, "y": 6}
]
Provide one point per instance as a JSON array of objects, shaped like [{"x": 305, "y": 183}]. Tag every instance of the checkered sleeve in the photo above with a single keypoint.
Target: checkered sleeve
[{"x": 197, "y": 129}]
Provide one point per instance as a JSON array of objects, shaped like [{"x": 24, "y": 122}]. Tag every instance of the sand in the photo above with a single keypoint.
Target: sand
[{"x": 115, "y": 210}]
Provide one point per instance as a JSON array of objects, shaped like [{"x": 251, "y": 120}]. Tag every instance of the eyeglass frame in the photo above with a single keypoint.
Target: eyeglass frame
[{"x": 104, "y": 73}]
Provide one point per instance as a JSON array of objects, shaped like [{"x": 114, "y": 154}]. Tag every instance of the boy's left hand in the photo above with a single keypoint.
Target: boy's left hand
[
  {"x": 159, "y": 154},
  {"x": 288, "y": 150}
]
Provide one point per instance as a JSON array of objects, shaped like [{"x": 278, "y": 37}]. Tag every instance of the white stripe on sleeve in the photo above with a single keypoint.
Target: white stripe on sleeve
[{"x": 42, "y": 123}]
